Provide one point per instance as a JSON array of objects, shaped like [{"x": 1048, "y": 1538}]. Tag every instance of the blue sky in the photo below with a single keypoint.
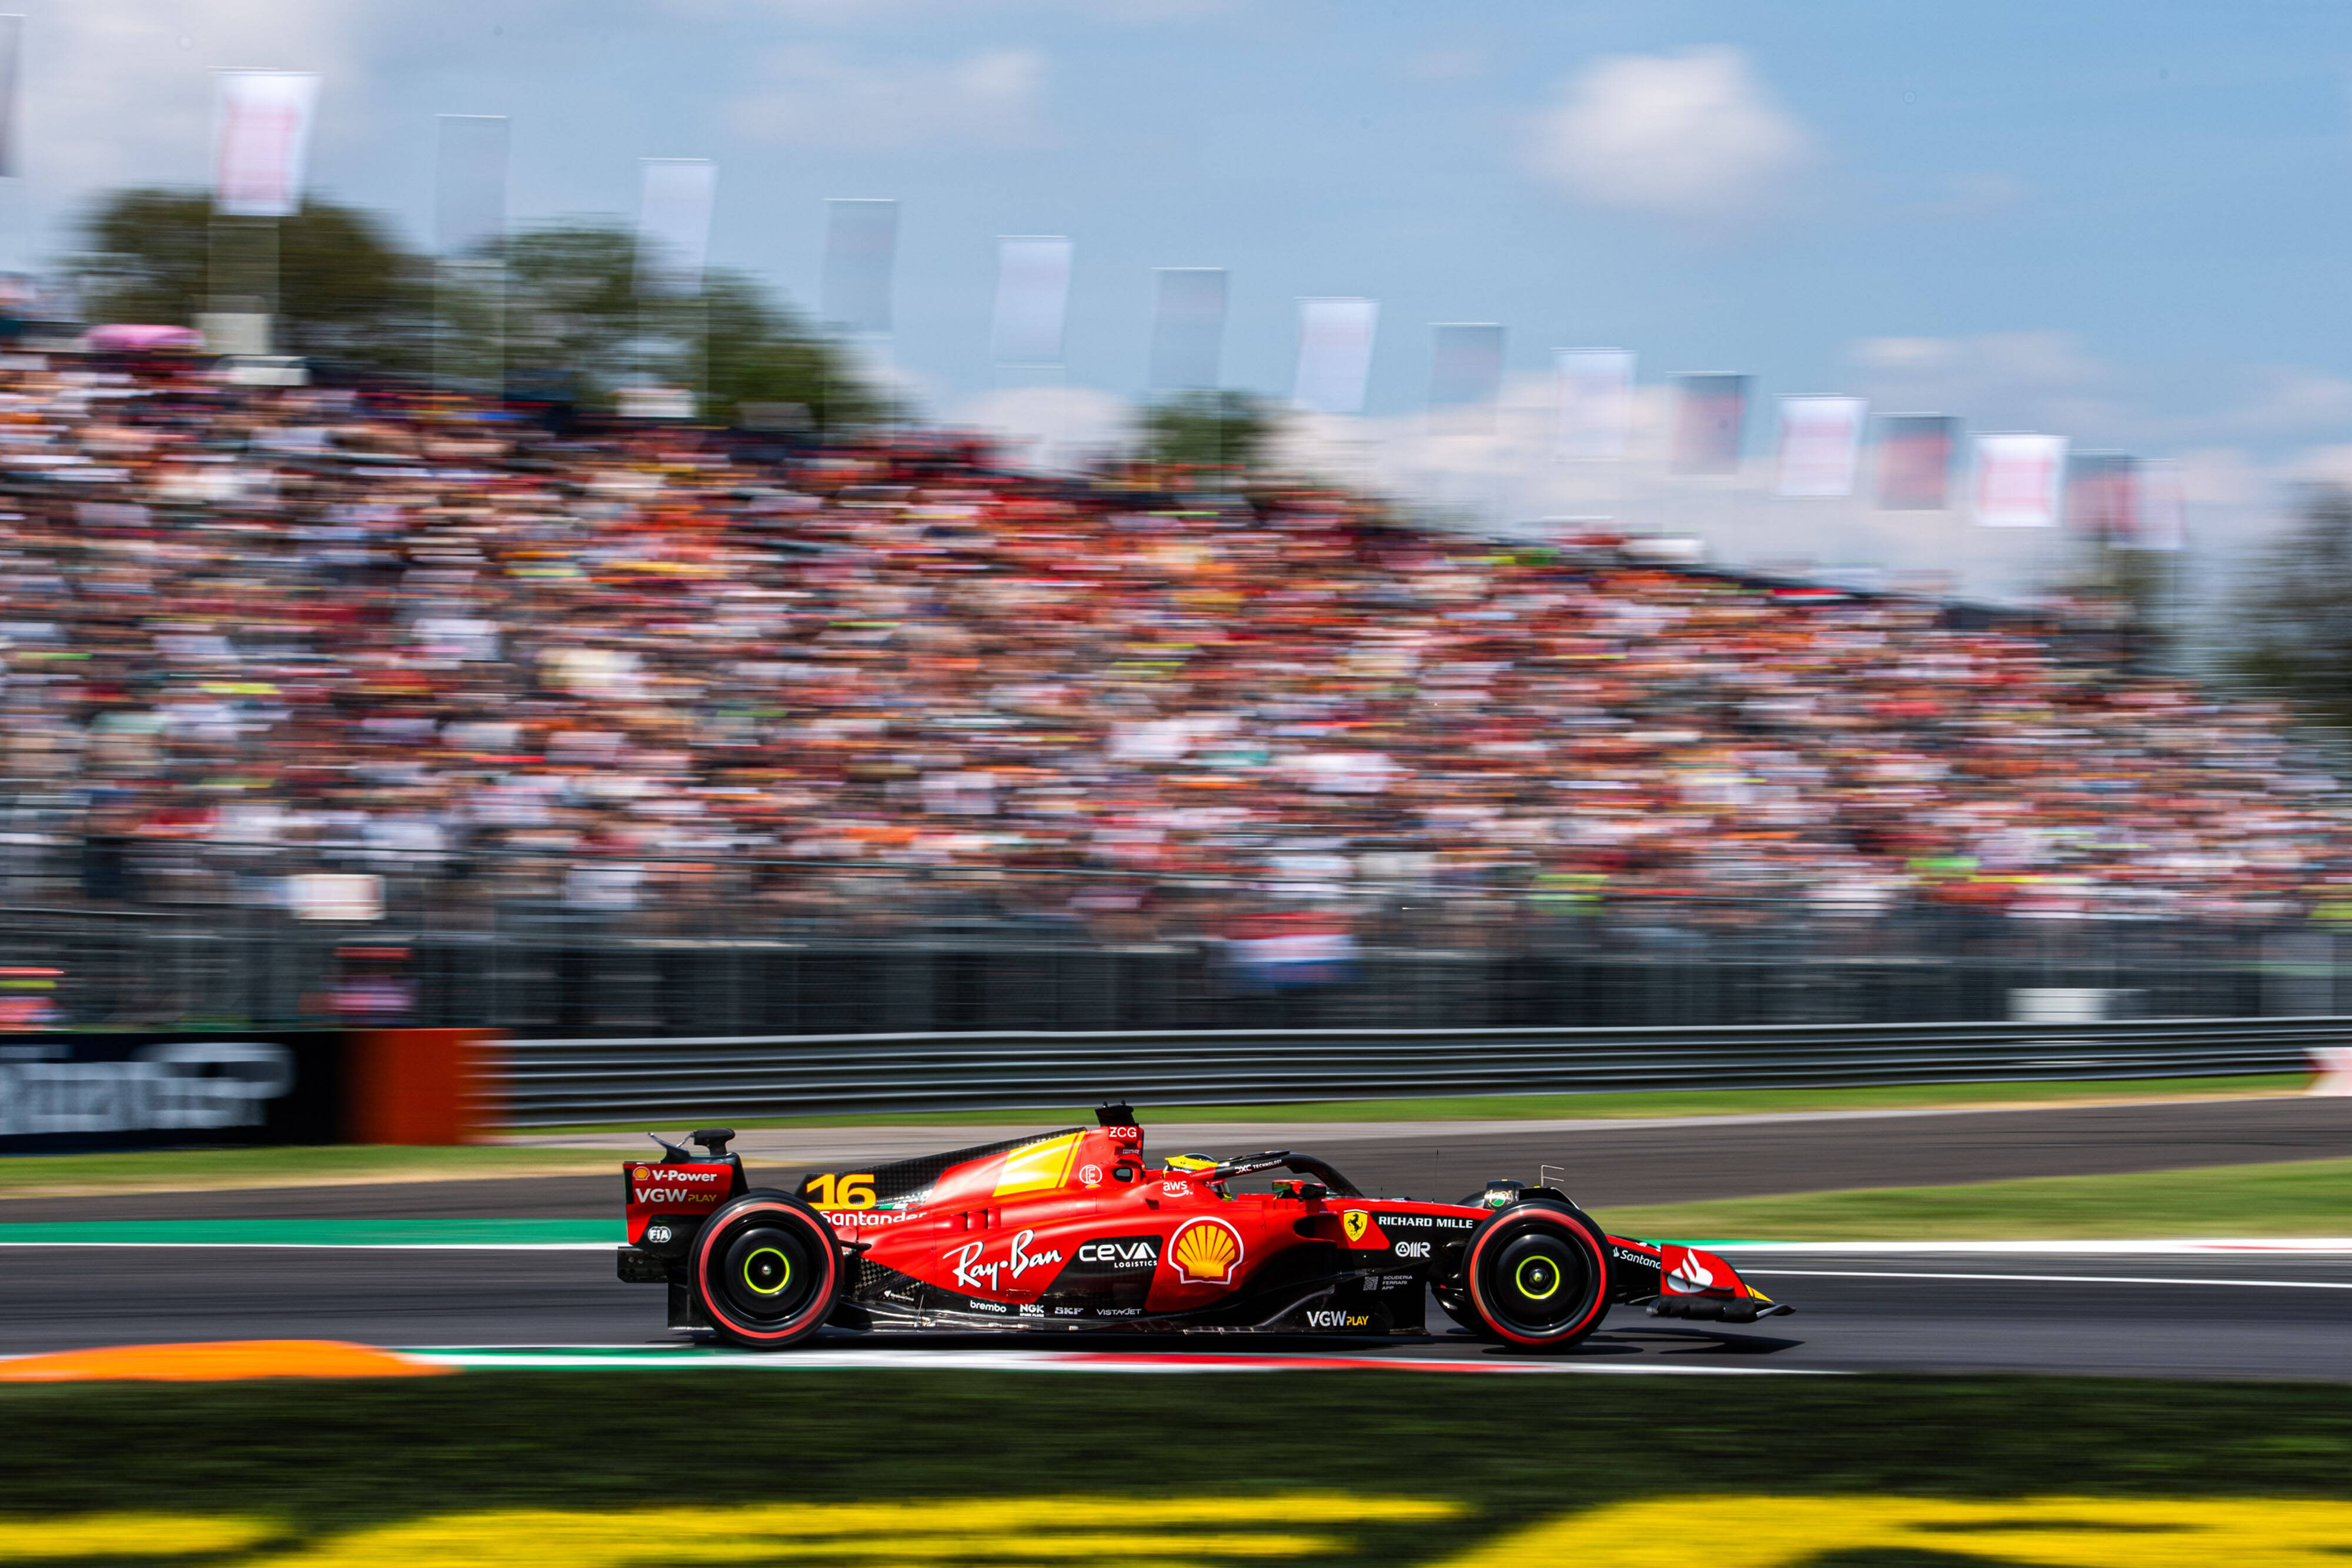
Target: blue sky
[
  {"x": 2122, "y": 222},
  {"x": 2166, "y": 184}
]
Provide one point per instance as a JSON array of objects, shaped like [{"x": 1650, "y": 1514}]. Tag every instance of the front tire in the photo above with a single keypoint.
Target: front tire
[
  {"x": 765, "y": 1270},
  {"x": 1537, "y": 1276}
]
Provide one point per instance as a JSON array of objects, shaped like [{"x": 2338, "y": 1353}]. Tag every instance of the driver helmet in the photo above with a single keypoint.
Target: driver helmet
[{"x": 1188, "y": 1163}]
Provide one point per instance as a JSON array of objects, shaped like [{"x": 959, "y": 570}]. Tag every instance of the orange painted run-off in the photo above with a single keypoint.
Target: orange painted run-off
[
  {"x": 414, "y": 1085},
  {"x": 225, "y": 1361}
]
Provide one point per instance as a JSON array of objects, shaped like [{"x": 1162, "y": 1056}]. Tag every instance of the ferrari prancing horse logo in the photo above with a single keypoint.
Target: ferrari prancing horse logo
[{"x": 1354, "y": 1222}]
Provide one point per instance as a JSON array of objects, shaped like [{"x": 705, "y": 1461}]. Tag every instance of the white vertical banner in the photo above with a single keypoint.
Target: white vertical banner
[
  {"x": 674, "y": 220},
  {"x": 1465, "y": 364},
  {"x": 861, "y": 257},
  {"x": 12, "y": 72},
  {"x": 1821, "y": 445},
  {"x": 2163, "y": 509},
  {"x": 1188, "y": 328},
  {"x": 2103, "y": 497},
  {"x": 2019, "y": 480},
  {"x": 1596, "y": 402},
  {"x": 1032, "y": 298},
  {"x": 1710, "y": 424},
  {"x": 470, "y": 184},
  {"x": 1335, "y": 353},
  {"x": 261, "y": 141}
]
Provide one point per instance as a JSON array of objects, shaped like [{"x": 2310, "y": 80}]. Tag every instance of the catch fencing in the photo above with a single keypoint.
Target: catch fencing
[
  {"x": 114, "y": 932},
  {"x": 558, "y": 1082},
  {"x": 1478, "y": 963}
]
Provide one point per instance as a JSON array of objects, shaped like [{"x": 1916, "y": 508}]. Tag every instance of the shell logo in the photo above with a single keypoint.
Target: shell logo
[
  {"x": 643, "y": 1175},
  {"x": 1206, "y": 1252}
]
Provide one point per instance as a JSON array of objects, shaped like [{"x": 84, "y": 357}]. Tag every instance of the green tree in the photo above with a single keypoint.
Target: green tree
[
  {"x": 571, "y": 305},
  {"x": 576, "y": 306},
  {"x": 1208, "y": 430},
  {"x": 562, "y": 306},
  {"x": 344, "y": 286},
  {"x": 2293, "y": 623},
  {"x": 740, "y": 347}
]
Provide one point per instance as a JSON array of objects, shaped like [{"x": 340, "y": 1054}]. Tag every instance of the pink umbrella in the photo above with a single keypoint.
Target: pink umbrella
[{"x": 128, "y": 338}]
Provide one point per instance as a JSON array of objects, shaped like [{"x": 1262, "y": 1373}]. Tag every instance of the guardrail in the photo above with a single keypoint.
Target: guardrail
[{"x": 559, "y": 1082}]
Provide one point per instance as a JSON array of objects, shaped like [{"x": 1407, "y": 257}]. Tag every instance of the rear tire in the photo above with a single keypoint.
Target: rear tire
[
  {"x": 765, "y": 1270},
  {"x": 1537, "y": 1276}
]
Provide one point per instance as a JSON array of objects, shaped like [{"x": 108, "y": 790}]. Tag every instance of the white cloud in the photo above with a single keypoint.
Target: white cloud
[
  {"x": 1691, "y": 136},
  {"x": 2286, "y": 398},
  {"x": 1904, "y": 353},
  {"x": 2036, "y": 359},
  {"x": 1495, "y": 470},
  {"x": 2051, "y": 382},
  {"x": 814, "y": 95},
  {"x": 2224, "y": 477},
  {"x": 2005, "y": 381},
  {"x": 2321, "y": 466},
  {"x": 121, "y": 93},
  {"x": 1049, "y": 429}
]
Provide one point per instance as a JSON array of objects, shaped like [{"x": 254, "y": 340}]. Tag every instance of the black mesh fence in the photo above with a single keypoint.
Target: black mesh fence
[{"x": 195, "y": 935}]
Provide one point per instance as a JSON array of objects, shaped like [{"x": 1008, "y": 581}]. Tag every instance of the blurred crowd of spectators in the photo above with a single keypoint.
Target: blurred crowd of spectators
[{"x": 654, "y": 669}]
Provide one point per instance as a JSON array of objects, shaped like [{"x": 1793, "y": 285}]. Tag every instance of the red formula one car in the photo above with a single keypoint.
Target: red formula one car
[{"x": 1076, "y": 1230}]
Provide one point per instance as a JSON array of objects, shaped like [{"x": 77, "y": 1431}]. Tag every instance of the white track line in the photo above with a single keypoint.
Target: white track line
[
  {"x": 1117, "y": 1363},
  {"x": 2152, "y": 1248},
  {"x": 2308, "y": 1245},
  {"x": 2055, "y": 1279},
  {"x": 339, "y": 1246}
]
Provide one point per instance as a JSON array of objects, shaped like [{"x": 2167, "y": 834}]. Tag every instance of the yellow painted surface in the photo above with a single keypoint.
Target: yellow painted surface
[
  {"x": 1011, "y": 1530},
  {"x": 72, "y": 1537},
  {"x": 1721, "y": 1531},
  {"x": 1040, "y": 1167},
  {"x": 2048, "y": 1533}
]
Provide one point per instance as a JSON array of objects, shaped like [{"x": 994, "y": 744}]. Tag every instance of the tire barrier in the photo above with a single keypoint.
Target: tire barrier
[{"x": 559, "y": 1082}]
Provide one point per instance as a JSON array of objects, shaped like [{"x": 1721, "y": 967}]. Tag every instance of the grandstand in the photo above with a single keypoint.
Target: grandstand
[{"x": 648, "y": 726}]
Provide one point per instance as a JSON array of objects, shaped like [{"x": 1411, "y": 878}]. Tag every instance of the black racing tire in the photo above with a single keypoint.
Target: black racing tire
[
  {"x": 766, "y": 1270},
  {"x": 1537, "y": 1276}
]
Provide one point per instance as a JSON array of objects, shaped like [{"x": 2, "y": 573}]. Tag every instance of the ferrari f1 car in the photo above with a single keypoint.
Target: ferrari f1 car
[{"x": 1076, "y": 1230}]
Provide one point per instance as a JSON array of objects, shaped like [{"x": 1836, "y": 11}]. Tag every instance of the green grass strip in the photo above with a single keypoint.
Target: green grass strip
[
  {"x": 313, "y": 1233},
  {"x": 148, "y": 1170},
  {"x": 324, "y": 1457},
  {"x": 2299, "y": 1198}
]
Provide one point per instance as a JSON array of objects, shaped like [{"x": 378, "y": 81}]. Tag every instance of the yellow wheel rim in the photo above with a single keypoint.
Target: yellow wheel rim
[
  {"x": 782, "y": 1263},
  {"x": 1546, "y": 1273}
]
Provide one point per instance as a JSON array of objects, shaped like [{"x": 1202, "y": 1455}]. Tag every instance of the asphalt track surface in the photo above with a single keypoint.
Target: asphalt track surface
[
  {"x": 1606, "y": 1164},
  {"x": 2265, "y": 1315},
  {"x": 2161, "y": 1316}
]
